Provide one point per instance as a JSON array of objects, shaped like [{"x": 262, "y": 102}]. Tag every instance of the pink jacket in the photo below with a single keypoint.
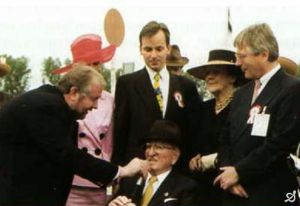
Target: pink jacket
[{"x": 95, "y": 133}]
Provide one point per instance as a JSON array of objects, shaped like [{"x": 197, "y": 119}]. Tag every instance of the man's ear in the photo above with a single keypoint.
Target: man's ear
[
  {"x": 74, "y": 91},
  {"x": 169, "y": 49},
  {"x": 265, "y": 54},
  {"x": 141, "y": 49},
  {"x": 176, "y": 155}
]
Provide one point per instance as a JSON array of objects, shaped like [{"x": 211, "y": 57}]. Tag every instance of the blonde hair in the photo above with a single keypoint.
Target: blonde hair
[
  {"x": 259, "y": 38},
  {"x": 81, "y": 76}
]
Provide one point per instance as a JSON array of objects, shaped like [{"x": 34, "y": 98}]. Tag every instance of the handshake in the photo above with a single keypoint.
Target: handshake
[{"x": 135, "y": 166}]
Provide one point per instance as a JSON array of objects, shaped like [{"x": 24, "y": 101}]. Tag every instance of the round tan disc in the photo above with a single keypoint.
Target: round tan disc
[{"x": 114, "y": 27}]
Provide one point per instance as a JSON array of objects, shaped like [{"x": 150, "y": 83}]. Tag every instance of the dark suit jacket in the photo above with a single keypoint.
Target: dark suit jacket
[
  {"x": 38, "y": 153},
  {"x": 136, "y": 109},
  {"x": 261, "y": 161},
  {"x": 175, "y": 190}
]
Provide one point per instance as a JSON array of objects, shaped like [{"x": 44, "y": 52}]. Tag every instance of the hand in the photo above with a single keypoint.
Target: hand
[
  {"x": 121, "y": 201},
  {"x": 195, "y": 163},
  {"x": 227, "y": 178},
  {"x": 135, "y": 166},
  {"x": 238, "y": 190}
]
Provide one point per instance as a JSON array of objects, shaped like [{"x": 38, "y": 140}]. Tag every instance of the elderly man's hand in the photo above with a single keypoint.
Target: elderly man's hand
[
  {"x": 135, "y": 166},
  {"x": 121, "y": 201},
  {"x": 227, "y": 178}
]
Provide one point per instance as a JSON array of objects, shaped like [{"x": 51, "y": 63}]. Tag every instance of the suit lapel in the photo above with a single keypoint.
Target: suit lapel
[
  {"x": 266, "y": 95},
  {"x": 271, "y": 89},
  {"x": 145, "y": 91},
  {"x": 137, "y": 193},
  {"x": 174, "y": 86},
  {"x": 241, "y": 114}
]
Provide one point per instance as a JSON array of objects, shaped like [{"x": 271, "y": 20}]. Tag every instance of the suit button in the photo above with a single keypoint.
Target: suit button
[
  {"x": 97, "y": 151},
  {"x": 101, "y": 136},
  {"x": 81, "y": 134},
  {"x": 84, "y": 149}
]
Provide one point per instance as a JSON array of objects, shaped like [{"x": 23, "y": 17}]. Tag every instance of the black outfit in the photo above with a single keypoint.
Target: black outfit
[
  {"x": 207, "y": 142},
  {"x": 38, "y": 152},
  {"x": 175, "y": 190},
  {"x": 261, "y": 161}
]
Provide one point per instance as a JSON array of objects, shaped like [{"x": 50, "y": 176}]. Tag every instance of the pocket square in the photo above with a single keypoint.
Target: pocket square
[{"x": 169, "y": 199}]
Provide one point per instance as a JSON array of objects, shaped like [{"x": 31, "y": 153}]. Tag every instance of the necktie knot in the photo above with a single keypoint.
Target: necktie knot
[
  {"x": 152, "y": 179},
  {"x": 157, "y": 76},
  {"x": 257, "y": 84}
]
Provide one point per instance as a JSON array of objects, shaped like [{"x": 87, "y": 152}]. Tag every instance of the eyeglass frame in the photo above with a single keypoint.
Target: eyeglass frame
[
  {"x": 243, "y": 56},
  {"x": 158, "y": 146}
]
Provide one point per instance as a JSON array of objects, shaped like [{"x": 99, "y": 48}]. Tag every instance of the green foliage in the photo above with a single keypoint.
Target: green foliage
[
  {"x": 16, "y": 82},
  {"x": 107, "y": 76},
  {"x": 50, "y": 64}
]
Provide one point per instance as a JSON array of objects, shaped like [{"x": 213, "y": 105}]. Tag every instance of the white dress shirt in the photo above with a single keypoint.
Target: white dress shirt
[{"x": 160, "y": 179}]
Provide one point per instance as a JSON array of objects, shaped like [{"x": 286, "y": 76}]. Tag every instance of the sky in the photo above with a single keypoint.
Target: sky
[{"x": 38, "y": 29}]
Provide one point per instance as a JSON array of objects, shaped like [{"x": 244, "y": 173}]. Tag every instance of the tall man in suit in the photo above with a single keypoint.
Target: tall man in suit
[
  {"x": 149, "y": 94},
  {"x": 263, "y": 126},
  {"x": 38, "y": 153},
  {"x": 163, "y": 185}
]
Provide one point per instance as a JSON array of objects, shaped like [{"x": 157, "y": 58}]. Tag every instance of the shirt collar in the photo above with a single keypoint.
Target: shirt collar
[
  {"x": 266, "y": 77},
  {"x": 163, "y": 73},
  {"x": 160, "y": 178}
]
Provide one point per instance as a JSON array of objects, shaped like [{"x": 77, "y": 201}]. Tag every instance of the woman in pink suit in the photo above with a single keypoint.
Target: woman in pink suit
[{"x": 95, "y": 131}]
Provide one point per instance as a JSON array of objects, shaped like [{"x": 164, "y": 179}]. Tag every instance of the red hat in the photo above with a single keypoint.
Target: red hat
[{"x": 88, "y": 48}]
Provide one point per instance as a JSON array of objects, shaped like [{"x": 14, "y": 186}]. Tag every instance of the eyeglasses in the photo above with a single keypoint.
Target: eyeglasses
[
  {"x": 158, "y": 146},
  {"x": 243, "y": 56}
]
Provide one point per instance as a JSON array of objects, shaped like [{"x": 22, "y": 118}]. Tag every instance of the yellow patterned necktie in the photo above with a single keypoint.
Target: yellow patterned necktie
[
  {"x": 149, "y": 191},
  {"x": 157, "y": 90}
]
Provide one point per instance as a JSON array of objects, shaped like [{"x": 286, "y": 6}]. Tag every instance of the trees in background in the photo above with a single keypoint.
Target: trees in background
[
  {"x": 16, "y": 82},
  {"x": 50, "y": 64}
]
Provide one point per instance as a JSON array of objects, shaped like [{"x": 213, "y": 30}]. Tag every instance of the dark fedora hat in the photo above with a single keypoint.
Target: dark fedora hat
[
  {"x": 223, "y": 59},
  {"x": 174, "y": 59},
  {"x": 164, "y": 131}
]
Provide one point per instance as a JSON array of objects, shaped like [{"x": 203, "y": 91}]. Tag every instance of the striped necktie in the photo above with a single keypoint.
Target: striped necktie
[
  {"x": 157, "y": 91},
  {"x": 149, "y": 191}
]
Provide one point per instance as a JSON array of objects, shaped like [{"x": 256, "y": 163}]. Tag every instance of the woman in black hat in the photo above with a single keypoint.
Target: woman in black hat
[{"x": 222, "y": 77}]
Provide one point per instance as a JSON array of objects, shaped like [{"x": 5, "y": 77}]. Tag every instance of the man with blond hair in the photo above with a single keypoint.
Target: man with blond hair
[{"x": 263, "y": 126}]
